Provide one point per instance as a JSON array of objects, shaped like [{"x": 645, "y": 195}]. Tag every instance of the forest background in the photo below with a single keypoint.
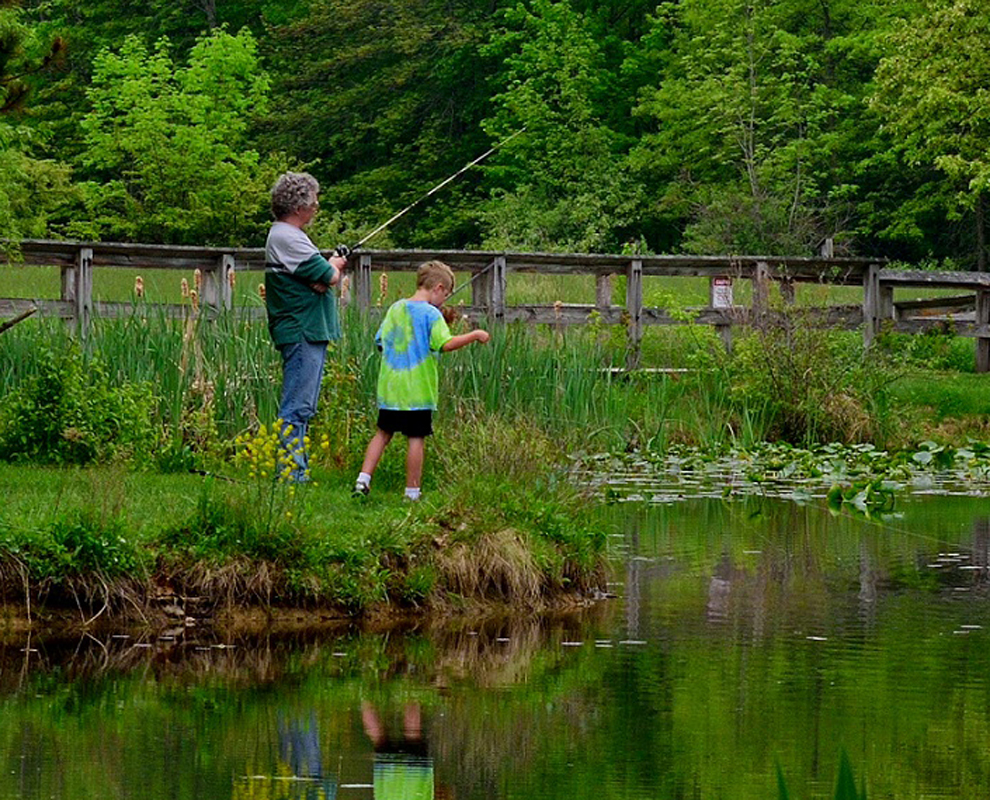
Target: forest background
[{"x": 705, "y": 126}]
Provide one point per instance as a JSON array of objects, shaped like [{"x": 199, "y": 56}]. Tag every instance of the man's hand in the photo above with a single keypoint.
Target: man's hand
[
  {"x": 339, "y": 263},
  {"x": 319, "y": 288}
]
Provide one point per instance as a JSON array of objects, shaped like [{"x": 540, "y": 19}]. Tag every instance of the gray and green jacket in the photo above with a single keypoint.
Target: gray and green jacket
[{"x": 297, "y": 313}]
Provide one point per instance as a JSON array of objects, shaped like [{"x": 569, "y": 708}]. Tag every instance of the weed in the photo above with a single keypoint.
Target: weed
[
  {"x": 70, "y": 413},
  {"x": 811, "y": 385}
]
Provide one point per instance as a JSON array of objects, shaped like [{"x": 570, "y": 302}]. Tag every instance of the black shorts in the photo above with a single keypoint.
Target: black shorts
[{"x": 413, "y": 424}]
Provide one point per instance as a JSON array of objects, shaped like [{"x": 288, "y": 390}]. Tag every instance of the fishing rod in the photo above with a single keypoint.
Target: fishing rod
[{"x": 345, "y": 250}]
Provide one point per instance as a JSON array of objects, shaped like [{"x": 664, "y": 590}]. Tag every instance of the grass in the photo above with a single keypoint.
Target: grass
[{"x": 115, "y": 537}]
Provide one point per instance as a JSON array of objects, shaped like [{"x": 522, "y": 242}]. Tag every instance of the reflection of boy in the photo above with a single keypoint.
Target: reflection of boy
[
  {"x": 411, "y": 337},
  {"x": 403, "y": 769}
]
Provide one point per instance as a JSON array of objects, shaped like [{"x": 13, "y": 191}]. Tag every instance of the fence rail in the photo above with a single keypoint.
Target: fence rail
[{"x": 965, "y": 314}]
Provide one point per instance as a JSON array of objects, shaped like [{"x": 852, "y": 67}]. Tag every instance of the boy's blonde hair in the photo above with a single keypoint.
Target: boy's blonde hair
[{"x": 432, "y": 273}]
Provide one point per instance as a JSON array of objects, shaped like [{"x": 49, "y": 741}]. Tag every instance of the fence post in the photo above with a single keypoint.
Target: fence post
[
  {"x": 481, "y": 290},
  {"x": 787, "y": 292},
  {"x": 720, "y": 299},
  {"x": 497, "y": 289},
  {"x": 362, "y": 283},
  {"x": 69, "y": 279},
  {"x": 216, "y": 284},
  {"x": 983, "y": 319},
  {"x": 84, "y": 289},
  {"x": 634, "y": 308},
  {"x": 871, "y": 304},
  {"x": 603, "y": 292},
  {"x": 761, "y": 291}
]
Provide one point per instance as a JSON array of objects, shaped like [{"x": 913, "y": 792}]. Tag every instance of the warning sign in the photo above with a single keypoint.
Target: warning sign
[{"x": 721, "y": 292}]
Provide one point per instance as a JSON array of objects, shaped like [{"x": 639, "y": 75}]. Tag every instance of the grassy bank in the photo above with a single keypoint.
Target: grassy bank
[
  {"x": 146, "y": 546},
  {"x": 126, "y": 473}
]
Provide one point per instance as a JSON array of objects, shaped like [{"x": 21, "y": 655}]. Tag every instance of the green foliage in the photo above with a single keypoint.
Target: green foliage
[
  {"x": 710, "y": 126},
  {"x": 813, "y": 385},
  {"x": 930, "y": 89},
  {"x": 343, "y": 419},
  {"x": 384, "y": 102},
  {"x": 759, "y": 120},
  {"x": 871, "y": 498},
  {"x": 31, "y": 189},
  {"x": 82, "y": 541},
  {"x": 561, "y": 185},
  {"x": 845, "y": 786},
  {"x": 227, "y": 526},
  {"x": 70, "y": 412},
  {"x": 938, "y": 349},
  {"x": 88, "y": 542},
  {"x": 167, "y": 152}
]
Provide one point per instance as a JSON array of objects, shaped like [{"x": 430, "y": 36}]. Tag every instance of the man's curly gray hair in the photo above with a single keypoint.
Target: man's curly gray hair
[{"x": 293, "y": 191}]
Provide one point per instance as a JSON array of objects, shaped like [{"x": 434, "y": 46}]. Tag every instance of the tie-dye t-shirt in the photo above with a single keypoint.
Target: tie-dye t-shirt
[{"x": 410, "y": 338}]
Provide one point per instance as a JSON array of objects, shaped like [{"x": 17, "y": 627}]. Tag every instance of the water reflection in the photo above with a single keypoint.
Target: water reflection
[{"x": 744, "y": 637}]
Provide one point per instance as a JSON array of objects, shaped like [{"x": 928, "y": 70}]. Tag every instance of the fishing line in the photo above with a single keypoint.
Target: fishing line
[{"x": 345, "y": 250}]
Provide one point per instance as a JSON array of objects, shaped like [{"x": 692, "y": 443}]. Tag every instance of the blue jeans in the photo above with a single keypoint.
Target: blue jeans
[{"x": 302, "y": 371}]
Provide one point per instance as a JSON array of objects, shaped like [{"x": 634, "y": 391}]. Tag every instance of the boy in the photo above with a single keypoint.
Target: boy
[{"x": 411, "y": 337}]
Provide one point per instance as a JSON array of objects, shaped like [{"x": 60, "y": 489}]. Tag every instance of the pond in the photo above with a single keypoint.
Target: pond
[{"x": 744, "y": 638}]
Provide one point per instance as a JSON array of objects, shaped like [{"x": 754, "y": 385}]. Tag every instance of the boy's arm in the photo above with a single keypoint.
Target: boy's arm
[{"x": 457, "y": 342}]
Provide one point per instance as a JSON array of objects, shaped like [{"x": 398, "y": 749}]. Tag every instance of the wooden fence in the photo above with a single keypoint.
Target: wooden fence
[{"x": 966, "y": 314}]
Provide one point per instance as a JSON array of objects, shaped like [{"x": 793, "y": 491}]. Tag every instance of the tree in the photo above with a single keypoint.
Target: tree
[
  {"x": 167, "y": 155},
  {"x": 760, "y": 120},
  {"x": 384, "y": 101},
  {"x": 932, "y": 91},
  {"x": 561, "y": 185},
  {"x": 30, "y": 189}
]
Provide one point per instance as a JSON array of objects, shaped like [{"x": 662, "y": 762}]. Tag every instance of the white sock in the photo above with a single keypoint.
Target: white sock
[
  {"x": 412, "y": 492},
  {"x": 364, "y": 479}
]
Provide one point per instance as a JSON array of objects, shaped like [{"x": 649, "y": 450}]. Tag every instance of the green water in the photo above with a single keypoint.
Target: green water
[{"x": 742, "y": 637}]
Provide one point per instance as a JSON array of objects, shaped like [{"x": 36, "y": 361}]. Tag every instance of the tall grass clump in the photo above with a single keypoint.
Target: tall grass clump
[
  {"x": 566, "y": 384},
  {"x": 214, "y": 376},
  {"x": 210, "y": 380},
  {"x": 68, "y": 411},
  {"x": 811, "y": 385}
]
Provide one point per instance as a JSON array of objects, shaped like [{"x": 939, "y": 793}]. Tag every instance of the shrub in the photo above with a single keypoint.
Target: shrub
[
  {"x": 70, "y": 413},
  {"x": 811, "y": 385}
]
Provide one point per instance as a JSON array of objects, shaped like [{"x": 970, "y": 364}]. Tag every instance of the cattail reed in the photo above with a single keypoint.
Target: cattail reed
[
  {"x": 139, "y": 287},
  {"x": 345, "y": 290},
  {"x": 382, "y": 288},
  {"x": 185, "y": 289}
]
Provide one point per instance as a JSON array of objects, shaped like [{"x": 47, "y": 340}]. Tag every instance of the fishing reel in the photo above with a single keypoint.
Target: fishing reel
[{"x": 342, "y": 251}]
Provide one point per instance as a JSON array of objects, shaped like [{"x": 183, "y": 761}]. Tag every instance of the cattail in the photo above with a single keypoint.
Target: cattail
[
  {"x": 185, "y": 289},
  {"x": 261, "y": 291},
  {"x": 139, "y": 286},
  {"x": 345, "y": 290},
  {"x": 231, "y": 279},
  {"x": 198, "y": 279},
  {"x": 382, "y": 287},
  {"x": 194, "y": 299},
  {"x": 558, "y": 309}
]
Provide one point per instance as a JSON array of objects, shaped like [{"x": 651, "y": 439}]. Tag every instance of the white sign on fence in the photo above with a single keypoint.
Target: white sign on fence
[{"x": 721, "y": 292}]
